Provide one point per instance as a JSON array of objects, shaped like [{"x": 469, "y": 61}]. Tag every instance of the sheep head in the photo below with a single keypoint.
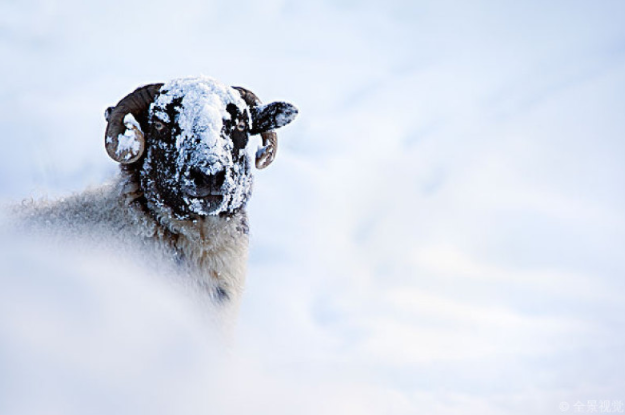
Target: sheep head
[{"x": 189, "y": 139}]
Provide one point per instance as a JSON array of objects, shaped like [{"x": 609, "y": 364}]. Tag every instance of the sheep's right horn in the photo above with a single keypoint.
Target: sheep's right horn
[
  {"x": 124, "y": 139},
  {"x": 266, "y": 154}
]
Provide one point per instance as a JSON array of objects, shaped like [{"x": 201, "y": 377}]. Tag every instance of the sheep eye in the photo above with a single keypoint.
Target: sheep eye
[
  {"x": 159, "y": 126},
  {"x": 241, "y": 125}
]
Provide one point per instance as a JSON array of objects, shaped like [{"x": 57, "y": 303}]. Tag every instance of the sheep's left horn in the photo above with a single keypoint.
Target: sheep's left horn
[
  {"x": 122, "y": 145},
  {"x": 265, "y": 156}
]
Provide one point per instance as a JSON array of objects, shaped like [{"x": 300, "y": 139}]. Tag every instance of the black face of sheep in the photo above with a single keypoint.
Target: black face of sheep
[{"x": 189, "y": 138}]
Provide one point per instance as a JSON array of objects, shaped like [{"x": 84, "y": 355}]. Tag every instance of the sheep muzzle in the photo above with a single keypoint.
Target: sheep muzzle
[{"x": 201, "y": 184}]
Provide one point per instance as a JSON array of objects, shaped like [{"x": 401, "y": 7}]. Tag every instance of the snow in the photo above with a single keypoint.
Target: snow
[
  {"x": 441, "y": 232},
  {"x": 286, "y": 117},
  {"x": 131, "y": 122},
  {"x": 128, "y": 141}
]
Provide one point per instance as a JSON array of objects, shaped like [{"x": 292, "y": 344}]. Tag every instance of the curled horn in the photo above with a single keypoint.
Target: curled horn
[
  {"x": 265, "y": 156},
  {"x": 134, "y": 103}
]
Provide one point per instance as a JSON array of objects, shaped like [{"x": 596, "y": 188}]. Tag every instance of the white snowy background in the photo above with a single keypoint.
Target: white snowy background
[{"x": 443, "y": 230}]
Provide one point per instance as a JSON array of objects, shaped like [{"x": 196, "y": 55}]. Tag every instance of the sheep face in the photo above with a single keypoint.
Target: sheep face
[{"x": 196, "y": 161}]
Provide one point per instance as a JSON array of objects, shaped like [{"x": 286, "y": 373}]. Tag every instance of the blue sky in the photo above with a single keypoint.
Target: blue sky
[{"x": 442, "y": 230}]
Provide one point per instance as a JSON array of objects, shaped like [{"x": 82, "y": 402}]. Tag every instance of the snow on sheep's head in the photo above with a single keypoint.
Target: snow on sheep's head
[{"x": 189, "y": 139}]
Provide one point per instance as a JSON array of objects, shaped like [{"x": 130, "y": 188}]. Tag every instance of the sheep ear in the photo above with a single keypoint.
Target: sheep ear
[{"x": 271, "y": 116}]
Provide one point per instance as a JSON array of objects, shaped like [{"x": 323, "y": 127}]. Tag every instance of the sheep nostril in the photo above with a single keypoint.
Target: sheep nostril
[
  {"x": 198, "y": 178},
  {"x": 204, "y": 184},
  {"x": 219, "y": 179}
]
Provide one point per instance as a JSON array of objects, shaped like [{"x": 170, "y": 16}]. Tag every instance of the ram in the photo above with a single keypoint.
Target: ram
[{"x": 185, "y": 178}]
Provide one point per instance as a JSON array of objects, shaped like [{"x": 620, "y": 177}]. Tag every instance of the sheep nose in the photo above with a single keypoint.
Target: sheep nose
[{"x": 204, "y": 184}]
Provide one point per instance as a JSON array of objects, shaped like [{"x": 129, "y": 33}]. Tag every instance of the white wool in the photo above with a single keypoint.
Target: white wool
[{"x": 201, "y": 254}]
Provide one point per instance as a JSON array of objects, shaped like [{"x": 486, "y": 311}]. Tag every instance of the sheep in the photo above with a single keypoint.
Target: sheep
[{"x": 184, "y": 180}]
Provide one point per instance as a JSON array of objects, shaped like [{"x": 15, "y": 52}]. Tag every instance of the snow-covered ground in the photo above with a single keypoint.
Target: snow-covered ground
[{"x": 442, "y": 231}]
